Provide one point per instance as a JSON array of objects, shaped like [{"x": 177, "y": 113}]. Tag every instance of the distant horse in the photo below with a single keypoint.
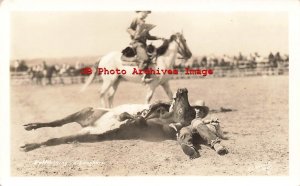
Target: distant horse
[
  {"x": 165, "y": 61},
  {"x": 38, "y": 73}
]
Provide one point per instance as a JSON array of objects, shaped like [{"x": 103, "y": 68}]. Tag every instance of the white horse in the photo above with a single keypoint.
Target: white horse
[{"x": 165, "y": 61}]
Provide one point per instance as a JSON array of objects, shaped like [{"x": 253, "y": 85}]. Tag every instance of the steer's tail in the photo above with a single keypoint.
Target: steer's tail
[{"x": 91, "y": 77}]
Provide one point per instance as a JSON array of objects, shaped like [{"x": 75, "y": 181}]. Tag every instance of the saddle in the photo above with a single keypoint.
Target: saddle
[{"x": 130, "y": 58}]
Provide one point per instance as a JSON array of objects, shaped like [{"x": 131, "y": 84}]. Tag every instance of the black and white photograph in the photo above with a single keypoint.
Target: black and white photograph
[{"x": 149, "y": 92}]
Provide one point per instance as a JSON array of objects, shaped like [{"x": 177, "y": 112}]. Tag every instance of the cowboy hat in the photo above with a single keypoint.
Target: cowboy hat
[
  {"x": 147, "y": 12},
  {"x": 200, "y": 104}
]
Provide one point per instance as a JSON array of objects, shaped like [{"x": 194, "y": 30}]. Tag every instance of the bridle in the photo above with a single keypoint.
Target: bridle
[{"x": 182, "y": 48}]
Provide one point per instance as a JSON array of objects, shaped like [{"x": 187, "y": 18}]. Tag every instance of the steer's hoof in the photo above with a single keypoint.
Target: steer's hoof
[
  {"x": 29, "y": 147},
  {"x": 31, "y": 126}
]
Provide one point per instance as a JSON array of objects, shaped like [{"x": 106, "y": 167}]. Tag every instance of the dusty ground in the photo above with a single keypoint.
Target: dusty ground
[{"x": 257, "y": 131}]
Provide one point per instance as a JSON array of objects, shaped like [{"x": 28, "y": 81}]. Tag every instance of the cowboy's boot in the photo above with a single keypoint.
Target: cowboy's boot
[
  {"x": 185, "y": 141},
  {"x": 215, "y": 144},
  {"x": 190, "y": 150}
]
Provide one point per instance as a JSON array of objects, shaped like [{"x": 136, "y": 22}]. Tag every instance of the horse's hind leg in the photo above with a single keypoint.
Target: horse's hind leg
[
  {"x": 84, "y": 117},
  {"x": 107, "y": 84},
  {"x": 112, "y": 92}
]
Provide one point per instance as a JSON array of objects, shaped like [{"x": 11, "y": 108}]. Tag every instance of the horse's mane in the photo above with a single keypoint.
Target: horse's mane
[{"x": 163, "y": 48}]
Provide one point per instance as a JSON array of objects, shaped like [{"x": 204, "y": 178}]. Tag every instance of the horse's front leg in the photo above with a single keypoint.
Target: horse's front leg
[
  {"x": 108, "y": 83},
  {"x": 167, "y": 89},
  {"x": 84, "y": 117}
]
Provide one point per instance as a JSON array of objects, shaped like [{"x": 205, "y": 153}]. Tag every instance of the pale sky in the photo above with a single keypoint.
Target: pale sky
[{"x": 74, "y": 34}]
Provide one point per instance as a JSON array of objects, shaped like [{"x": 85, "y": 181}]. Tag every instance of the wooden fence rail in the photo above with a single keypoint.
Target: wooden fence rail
[{"x": 23, "y": 78}]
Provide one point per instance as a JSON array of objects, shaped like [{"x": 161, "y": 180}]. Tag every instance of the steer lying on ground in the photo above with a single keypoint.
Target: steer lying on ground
[{"x": 138, "y": 121}]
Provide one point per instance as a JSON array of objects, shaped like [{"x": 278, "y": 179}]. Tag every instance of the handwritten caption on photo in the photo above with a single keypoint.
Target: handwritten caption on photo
[{"x": 45, "y": 162}]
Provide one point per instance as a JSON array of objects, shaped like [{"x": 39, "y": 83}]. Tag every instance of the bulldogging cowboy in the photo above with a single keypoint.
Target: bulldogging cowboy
[{"x": 208, "y": 130}]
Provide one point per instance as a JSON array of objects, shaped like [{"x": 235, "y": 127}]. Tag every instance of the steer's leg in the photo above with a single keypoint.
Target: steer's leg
[
  {"x": 84, "y": 117},
  {"x": 128, "y": 129},
  {"x": 57, "y": 141}
]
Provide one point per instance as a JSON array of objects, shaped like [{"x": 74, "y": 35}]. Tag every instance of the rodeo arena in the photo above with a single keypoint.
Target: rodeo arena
[
  {"x": 245, "y": 100},
  {"x": 208, "y": 115}
]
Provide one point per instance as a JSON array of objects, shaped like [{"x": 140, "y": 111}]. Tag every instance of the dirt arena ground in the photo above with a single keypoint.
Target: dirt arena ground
[{"x": 257, "y": 131}]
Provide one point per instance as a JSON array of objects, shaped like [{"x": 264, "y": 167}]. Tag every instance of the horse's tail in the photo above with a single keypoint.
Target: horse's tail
[{"x": 91, "y": 77}]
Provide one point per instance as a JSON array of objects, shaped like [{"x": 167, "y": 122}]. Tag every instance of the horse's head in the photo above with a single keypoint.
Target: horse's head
[{"x": 183, "y": 49}]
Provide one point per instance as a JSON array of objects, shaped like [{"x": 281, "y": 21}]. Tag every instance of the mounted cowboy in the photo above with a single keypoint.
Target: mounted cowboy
[
  {"x": 171, "y": 49},
  {"x": 139, "y": 33}
]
